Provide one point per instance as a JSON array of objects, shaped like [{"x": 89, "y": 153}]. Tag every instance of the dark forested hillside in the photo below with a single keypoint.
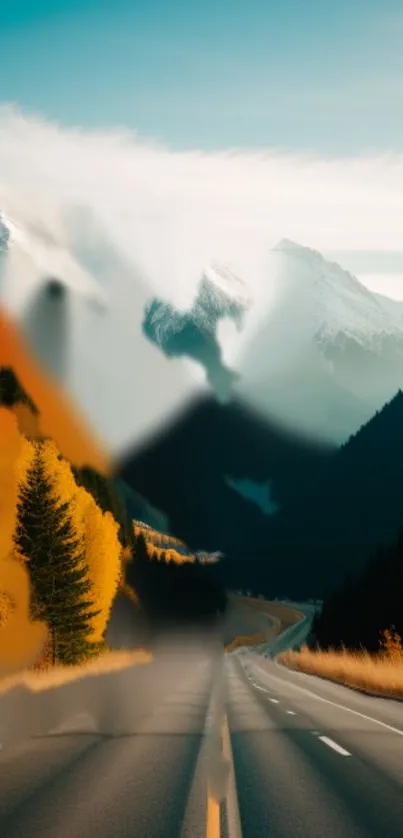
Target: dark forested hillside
[
  {"x": 357, "y": 612},
  {"x": 355, "y": 507},
  {"x": 183, "y": 472},
  {"x": 336, "y": 506}
]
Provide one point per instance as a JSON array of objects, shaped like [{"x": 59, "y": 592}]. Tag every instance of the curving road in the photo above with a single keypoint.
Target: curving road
[{"x": 147, "y": 752}]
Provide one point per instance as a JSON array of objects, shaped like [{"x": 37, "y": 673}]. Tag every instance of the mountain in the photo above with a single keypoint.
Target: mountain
[
  {"x": 353, "y": 507},
  {"x": 356, "y": 613},
  {"x": 192, "y": 333},
  {"x": 325, "y": 352},
  {"x": 187, "y": 471},
  {"x": 335, "y": 506}
]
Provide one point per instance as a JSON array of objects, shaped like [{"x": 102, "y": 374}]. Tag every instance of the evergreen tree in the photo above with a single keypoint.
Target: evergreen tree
[{"x": 61, "y": 589}]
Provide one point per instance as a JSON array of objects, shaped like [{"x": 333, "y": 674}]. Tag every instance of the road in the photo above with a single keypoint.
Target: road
[
  {"x": 123, "y": 761},
  {"x": 312, "y": 758},
  {"x": 143, "y": 755}
]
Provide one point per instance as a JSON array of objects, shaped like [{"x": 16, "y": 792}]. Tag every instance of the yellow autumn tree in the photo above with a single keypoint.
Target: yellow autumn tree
[
  {"x": 103, "y": 557},
  {"x": 99, "y": 531},
  {"x": 20, "y": 638}
]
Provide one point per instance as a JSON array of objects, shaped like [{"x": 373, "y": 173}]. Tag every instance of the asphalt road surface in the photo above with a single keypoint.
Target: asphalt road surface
[
  {"x": 312, "y": 758},
  {"x": 148, "y": 751},
  {"x": 121, "y": 766}
]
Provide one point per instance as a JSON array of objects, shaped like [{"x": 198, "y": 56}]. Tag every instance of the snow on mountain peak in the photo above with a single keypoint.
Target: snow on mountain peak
[
  {"x": 332, "y": 299},
  {"x": 228, "y": 283}
]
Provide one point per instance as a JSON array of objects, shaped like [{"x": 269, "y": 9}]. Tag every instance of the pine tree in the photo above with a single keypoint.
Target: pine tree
[{"x": 61, "y": 589}]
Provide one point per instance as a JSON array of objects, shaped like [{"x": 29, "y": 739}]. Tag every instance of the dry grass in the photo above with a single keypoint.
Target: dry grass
[
  {"x": 380, "y": 674},
  {"x": 58, "y": 675}
]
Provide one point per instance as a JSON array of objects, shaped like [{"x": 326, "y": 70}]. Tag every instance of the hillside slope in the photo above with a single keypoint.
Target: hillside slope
[{"x": 355, "y": 506}]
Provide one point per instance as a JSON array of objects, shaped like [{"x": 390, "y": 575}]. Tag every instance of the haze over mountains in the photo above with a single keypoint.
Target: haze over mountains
[
  {"x": 315, "y": 349},
  {"x": 308, "y": 346},
  {"x": 325, "y": 352},
  {"x": 321, "y": 358},
  {"x": 308, "y": 360},
  {"x": 89, "y": 334},
  {"x": 193, "y": 333}
]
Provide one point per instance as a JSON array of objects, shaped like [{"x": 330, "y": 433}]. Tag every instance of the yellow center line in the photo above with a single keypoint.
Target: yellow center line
[{"x": 213, "y": 817}]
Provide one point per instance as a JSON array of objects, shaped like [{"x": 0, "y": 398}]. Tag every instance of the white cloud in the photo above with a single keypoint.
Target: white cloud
[
  {"x": 391, "y": 285},
  {"x": 170, "y": 212},
  {"x": 165, "y": 214}
]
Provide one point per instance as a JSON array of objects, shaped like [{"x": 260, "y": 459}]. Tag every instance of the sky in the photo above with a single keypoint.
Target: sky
[
  {"x": 141, "y": 140},
  {"x": 311, "y": 75},
  {"x": 235, "y": 124}
]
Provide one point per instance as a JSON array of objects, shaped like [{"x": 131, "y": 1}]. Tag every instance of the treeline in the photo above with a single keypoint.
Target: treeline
[
  {"x": 71, "y": 550},
  {"x": 68, "y": 531},
  {"x": 356, "y": 615},
  {"x": 72, "y": 534},
  {"x": 168, "y": 590}
]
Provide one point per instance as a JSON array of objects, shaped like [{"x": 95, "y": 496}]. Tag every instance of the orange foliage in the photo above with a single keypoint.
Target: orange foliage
[
  {"x": 98, "y": 530},
  {"x": 10, "y": 444},
  {"x": 58, "y": 419},
  {"x": 170, "y": 555},
  {"x": 7, "y": 606},
  {"x": 28, "y": 422},
  {"x": 159, "y": 543},
  {"x": 102, "y": 555},
  {"x": 20, "y": 638}
]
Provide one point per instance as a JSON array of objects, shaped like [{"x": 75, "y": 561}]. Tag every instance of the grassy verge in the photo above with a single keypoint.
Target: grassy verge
[
  {"x": 37, "y": 680},
  {"x": 378, "y": 674}
]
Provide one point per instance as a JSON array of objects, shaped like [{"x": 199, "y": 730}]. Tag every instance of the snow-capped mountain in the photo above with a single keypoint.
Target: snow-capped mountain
[
  {"x": 221, "y": 294},
  {"x": 192, "y": 333},
  {"x": 326, "y": 352},
  {"x": 336, "y": 302}
]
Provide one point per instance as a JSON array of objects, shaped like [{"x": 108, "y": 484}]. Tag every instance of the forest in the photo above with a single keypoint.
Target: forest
[{"x": 67, "y": 544}]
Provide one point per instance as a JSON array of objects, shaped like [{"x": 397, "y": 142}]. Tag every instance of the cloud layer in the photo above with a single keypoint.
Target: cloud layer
[
  {"x": 170, "y": 212},
  {"x": 144, "y": 220}
]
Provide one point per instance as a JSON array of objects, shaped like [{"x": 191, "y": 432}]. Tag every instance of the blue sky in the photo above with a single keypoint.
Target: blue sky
[{"x": 289, "y": 74}]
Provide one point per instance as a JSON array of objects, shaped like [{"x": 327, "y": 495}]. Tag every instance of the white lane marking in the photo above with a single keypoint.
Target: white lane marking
[
  {"x": 291, "y": 713},
  {"x": 332, "y": 703},
  {"x": 274, "y": 700},
  {"x": 335, "y": 746}
]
